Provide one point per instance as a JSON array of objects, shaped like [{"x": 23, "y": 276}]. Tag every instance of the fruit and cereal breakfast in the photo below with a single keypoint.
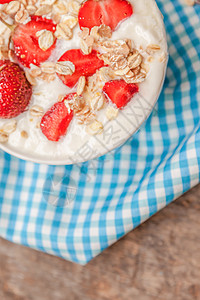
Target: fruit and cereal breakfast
[{"x": 69, "y": 69}]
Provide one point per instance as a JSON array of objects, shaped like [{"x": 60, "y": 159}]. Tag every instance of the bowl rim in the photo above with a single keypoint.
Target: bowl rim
[{"x": 59, "y": 162}]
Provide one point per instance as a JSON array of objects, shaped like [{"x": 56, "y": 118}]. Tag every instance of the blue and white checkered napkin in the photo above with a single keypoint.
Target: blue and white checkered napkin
[{"x": 77, "y": 211}]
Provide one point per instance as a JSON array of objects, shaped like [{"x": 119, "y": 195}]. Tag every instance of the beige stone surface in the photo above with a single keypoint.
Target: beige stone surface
[{"x": 158, "y": 260}]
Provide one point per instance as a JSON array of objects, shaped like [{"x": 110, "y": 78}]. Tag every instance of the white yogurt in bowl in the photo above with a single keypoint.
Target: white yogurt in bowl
[{"x": 145, "y": 27}]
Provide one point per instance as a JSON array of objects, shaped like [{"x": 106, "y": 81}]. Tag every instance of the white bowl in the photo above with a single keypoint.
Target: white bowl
[{"x": 78, "y": 146}]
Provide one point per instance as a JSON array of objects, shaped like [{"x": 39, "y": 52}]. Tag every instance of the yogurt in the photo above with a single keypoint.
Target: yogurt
[{"x": 145, "y": 27}]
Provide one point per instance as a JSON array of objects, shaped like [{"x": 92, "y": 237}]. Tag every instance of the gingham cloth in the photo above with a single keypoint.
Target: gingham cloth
[{"x": 77, "y": 211}]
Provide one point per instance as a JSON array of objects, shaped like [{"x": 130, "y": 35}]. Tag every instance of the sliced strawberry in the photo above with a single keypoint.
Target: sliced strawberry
[
  {"x": 15, "y": 90},
  {"x": 26, "y": 44},
  {"x": 109, "y": 12},
  {"x": 85, "y": 65},
  {"x": 120, "y": 92},
  {"x": 5, "y": 1},
  {"x": 55, "y": 122}
]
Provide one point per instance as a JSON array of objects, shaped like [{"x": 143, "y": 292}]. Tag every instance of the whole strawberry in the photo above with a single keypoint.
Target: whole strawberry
[{"x": 15, "y": 90}]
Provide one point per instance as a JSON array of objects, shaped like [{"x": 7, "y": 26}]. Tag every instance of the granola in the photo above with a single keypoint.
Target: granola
[{"x": 123, "y": 60}]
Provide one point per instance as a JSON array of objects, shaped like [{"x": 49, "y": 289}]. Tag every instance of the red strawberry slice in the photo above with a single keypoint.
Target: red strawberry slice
[
  {"x": 15, "y": 90},
  {"x": 55, "y": 122},
  {"x": 85, "y": 65},
  {"x": 120, "y": 92},
  {"x": 109, "y": 12},
  {"x": 5, "y": 1},
  {"x": 26, "y": 44}
]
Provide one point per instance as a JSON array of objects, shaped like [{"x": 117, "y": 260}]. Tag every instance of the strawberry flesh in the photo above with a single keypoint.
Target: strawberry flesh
[
  {"x": 109, "y": 12},
  {"x": 85, "y": 65},
  {"x": 15, "y": 90},
  {"x": 55, "y": 122},
  {"x": 25, "y": 41},
  {"x": 120, "y": 92},
  {"x": 5, "y": 1}
]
